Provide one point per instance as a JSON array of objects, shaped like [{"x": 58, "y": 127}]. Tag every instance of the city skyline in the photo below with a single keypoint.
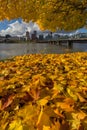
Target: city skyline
[{"x": 18, "y": 27}]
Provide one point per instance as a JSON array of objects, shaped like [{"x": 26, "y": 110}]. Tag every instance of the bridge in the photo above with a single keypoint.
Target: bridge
[{"x": 69, "y": 42}]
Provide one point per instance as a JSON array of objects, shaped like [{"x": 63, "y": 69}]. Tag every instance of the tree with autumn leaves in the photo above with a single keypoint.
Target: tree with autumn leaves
[
  {"x": 49, "y": 14},
  {"x": 44, "y": 92}
]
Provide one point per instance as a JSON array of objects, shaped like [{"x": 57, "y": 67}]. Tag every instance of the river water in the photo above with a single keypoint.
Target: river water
[{"x": 8, "y": 50}]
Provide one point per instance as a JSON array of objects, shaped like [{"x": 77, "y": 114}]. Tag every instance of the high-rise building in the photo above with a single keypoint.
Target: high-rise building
[
  {"x": 27, "y": 36},
  {"x": 41, "y": 37},
  {"x": 34, "y": 35}
]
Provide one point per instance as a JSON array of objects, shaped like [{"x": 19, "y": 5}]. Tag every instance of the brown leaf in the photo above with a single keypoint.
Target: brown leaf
[
  {"x": 8, "y": 102},
  {"x": 35, "y": 93},
  {"x": 27, "y": 97},
  {"x": 49, "y": 83},
  {"x": 64, "y": 125},
  {"x": 80, "y": 98},
  {"x": 81, "y": 127}
]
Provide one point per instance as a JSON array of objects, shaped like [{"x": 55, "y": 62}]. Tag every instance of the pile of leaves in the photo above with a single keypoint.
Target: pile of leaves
[{"x": 44, "y": 92}]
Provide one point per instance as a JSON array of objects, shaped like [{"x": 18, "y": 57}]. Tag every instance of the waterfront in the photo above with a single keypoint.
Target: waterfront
[{"x": 9, "y": 50}]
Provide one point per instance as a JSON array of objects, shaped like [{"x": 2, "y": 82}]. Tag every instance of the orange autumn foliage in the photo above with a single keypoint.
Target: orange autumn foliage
[{"x": 44, "y": 92}]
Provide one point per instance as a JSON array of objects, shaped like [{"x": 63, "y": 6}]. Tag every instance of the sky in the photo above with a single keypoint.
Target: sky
[{"x": 18, "y": 27}]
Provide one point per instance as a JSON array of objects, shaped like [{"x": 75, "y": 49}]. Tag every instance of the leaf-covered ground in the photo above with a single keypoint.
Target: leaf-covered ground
[{"x": 44, "y": 92}]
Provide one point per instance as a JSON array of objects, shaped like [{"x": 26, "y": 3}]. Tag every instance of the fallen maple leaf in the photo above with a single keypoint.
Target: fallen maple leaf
[{"x": 7, "y": 102}]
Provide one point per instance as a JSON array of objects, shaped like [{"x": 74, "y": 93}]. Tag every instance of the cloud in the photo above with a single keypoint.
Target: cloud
[{"x": 19, "y": 28}]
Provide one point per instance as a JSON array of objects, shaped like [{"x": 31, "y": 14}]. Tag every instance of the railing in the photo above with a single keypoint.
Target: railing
[{"x": 63, "y": 40}]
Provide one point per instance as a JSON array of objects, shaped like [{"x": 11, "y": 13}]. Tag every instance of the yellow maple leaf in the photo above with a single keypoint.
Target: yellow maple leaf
[
  {"x": 46, "y": 127},
  {"x": 15, "y": 125},
  {"x": 43, "y": 101}
]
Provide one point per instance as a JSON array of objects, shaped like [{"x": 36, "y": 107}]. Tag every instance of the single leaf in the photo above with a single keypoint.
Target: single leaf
[
  {"x": 7, "y": 102},
  {"x": 15, "y": 125},
  {"x": 81, "y": 115},
  {"x": 43, "y": 101},
  {"x": 81, "y": 98},
  {"x": 65, "y": 106},
  {"x": 58, "y": 113},
  {"x": 35, "y": 93},
  {"x": 46, "y": 127},
  {"x": 72, "y": 94}
]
